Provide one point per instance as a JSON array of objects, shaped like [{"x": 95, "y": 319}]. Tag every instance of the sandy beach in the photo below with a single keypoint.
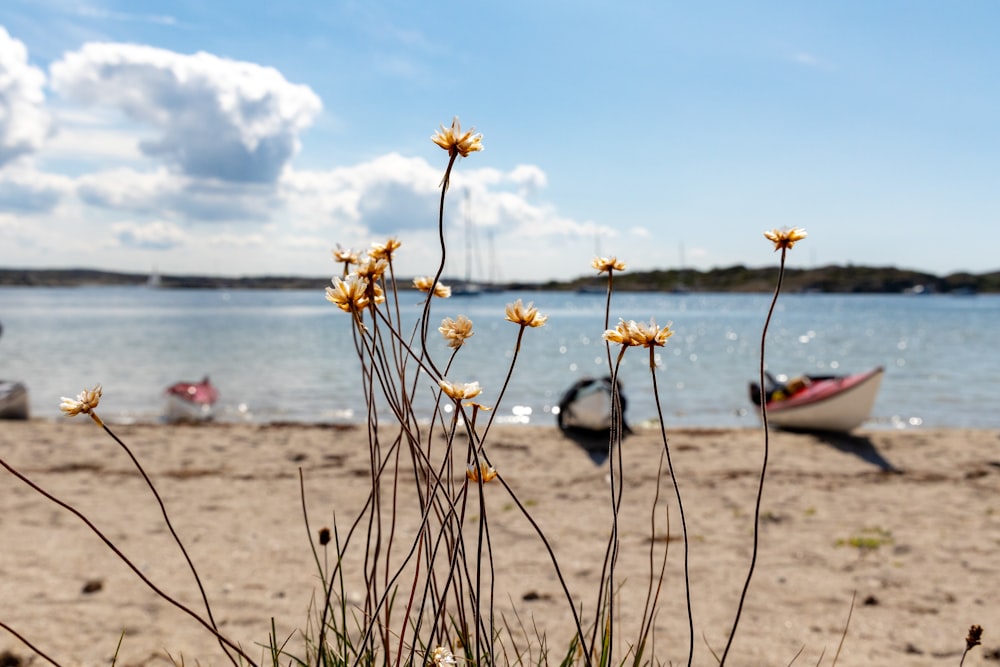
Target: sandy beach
[{"x": 906, "y": 521}]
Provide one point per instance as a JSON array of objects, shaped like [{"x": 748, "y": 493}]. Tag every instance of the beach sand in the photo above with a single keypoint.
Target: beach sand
[{"x": 908, "y": 521}]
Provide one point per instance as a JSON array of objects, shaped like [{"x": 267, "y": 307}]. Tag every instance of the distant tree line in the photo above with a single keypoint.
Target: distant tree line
[{"x": 833, "y": 279}]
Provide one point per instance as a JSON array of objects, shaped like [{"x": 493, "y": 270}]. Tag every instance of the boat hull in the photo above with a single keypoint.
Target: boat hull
[
  {"x": 837, "y": 404},
  {"x": 13, "y": 400},
  {"x": 190, "y": 401}
]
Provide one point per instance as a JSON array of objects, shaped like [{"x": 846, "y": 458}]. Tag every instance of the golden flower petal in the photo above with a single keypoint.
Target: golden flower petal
[
  {"x": 526, "y": 316},
  {"x": 454, "y": 141},
  {"x": 86, "y": 400},
  {"x": 785, "y": 238},
  {"x": 607, "y": 264}
]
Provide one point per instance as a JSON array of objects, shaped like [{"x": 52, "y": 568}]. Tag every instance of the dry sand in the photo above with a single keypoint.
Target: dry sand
[{"x": 928, "y": 502}]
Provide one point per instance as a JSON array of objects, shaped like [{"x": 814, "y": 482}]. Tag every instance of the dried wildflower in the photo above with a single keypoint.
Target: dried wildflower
[
  {"x": 350, "y": 294},
  {"x": 86, "y": 400},
  {"x": 650, "y": 335},
  {"x": 441, "y": 656},
  {"x": 324, "y": 536},
  {"x": 384, "y": 250},
  {"x": 483, "y": 471},
  {"x": 620, "y": 334},
  {"x": 526, "y": 316},
  {"x": 346, "y": 257},
  {"x": 785, "y": 238},
  {"x": 607, "y": 264},
  {"x": 371, "y": 269},
  {"x": 456, "y": 331},
  {"x": 424, "y": 284},
  {"x": 460, "y": 391},
  {"x": 85, "y": 403},
  {"x": 637, "y": 334},
  {"x": 974, "y": 638},
  {"x": 455, "y": 142}
]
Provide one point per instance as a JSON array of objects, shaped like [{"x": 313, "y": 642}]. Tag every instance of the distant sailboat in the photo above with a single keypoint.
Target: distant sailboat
[{"x": 467, "y": 287}]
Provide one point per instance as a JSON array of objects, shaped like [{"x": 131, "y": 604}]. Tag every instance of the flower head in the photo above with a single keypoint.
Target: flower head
[
  {"x": 607, "y": 264},
  {"x": 441, "y": 657},
  {"x": 455, "y": 142},
  {"x": 483, "y": 471},
  {"x": 371, "y": 269},
  {"x": 650, "y": 335},
  {"x": 384, "y": 250},
  {"x": 460, "y": 391},
  {"x": 637, "y": 334},
  {"x": 785, "y": 238},
  {"x": 346, "y": 257},
  {"x": 85, "y": 403},
  {"x": 424, "y": 284},
  {"x": 456, "y": 331},
  {"x": 350, "y": 294},
  {"x": 526, "y": 316}
]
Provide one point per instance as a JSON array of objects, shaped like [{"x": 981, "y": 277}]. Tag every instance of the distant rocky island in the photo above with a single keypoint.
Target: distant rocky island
[{"x": 829, "y": 279}]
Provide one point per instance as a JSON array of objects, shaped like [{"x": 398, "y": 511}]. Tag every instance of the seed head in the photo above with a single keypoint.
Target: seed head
[{"x": 974, "y": 638}]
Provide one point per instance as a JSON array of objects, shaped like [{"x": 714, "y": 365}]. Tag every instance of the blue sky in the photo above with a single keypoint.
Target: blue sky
[{"x": 250, "y": 137}]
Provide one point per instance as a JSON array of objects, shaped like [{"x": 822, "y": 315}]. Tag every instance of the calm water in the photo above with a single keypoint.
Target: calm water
[{"x": 288, "y": 355}]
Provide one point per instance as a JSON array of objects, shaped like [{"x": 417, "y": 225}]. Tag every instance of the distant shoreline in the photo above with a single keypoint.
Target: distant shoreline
[{"x": 827, "y": 279}]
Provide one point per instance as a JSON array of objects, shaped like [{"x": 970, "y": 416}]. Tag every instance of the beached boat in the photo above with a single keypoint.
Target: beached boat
[
  {"x": 587, "y": 406},
  {"x": 191, "y": 401},
  {"x": 13, "y": 400},
  {"x": 835, "y": 403}
]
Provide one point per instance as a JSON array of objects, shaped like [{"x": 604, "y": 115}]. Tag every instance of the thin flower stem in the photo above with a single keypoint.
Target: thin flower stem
[
  {"x": 34, "y": 649},
  {"x": 506, "y": 382},
  {"x": 170, "y": 527},
  {"x": 763, "y": 467},
  {"x": 78, "y": 514},
  {"x": 680, "y": 509}
]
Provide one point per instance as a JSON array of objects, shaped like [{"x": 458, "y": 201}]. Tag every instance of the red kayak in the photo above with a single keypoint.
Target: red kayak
[
  {"x": 836, "y": 403},
  {"x": 191, "y": 401}
]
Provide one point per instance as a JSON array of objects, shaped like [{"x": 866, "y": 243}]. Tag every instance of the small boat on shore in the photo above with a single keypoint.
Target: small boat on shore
[
  {"x": 13, "y": 400},
  {"x": 833, "y": 403},
  {"x": 191, "y": 401}
]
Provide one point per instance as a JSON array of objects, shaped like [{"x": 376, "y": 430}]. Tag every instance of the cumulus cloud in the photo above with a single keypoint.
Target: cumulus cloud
[
  {"x": 163, "y": 192},
  {"x": 26, "y": 191},
  {"x": 156, "y": 235},
  {"x": 215, "y": 118},
  {"x": 394, "y": 193},
  {"x": 24, "y": 123}
]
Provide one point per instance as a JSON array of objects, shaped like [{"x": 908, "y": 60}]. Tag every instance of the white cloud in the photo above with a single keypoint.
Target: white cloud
[
  {"x": 157, "y": 235},
  {"x": 24, "y": 122},
  {"x": 176, "y": 195},
  {"x": 215, "y": 118},
  {"x": 26, "y": 191}
]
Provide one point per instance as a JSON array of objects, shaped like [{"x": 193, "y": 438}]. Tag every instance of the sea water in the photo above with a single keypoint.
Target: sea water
[{"x": 290, "y": 355}]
